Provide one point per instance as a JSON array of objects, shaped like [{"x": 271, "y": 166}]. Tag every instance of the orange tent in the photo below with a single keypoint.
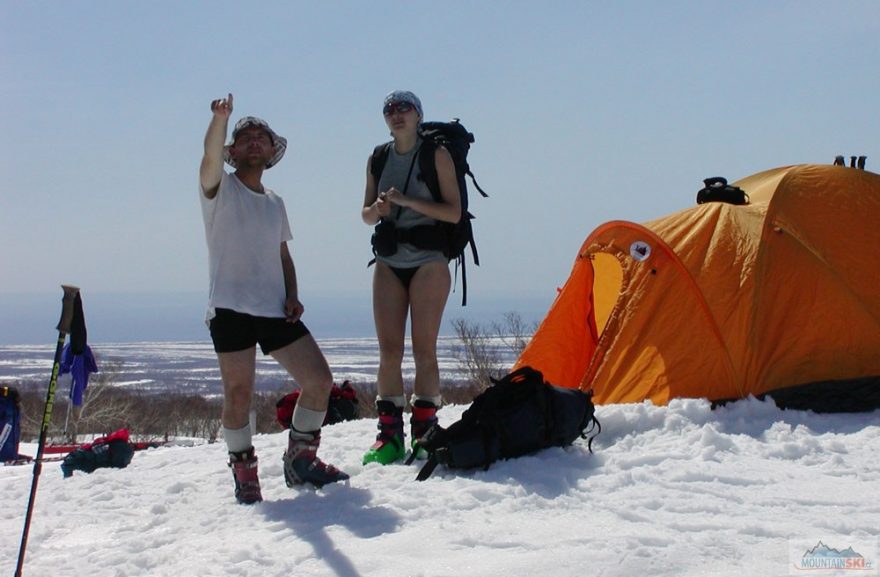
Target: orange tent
[{"x": 718, "y": 301}]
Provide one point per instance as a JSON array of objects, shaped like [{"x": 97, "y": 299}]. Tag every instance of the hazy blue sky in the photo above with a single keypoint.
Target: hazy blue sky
[{"x": 583, "y": 112}]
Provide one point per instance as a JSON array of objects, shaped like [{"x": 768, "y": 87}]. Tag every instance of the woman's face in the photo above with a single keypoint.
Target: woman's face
[{"x": 401, "y": 117}]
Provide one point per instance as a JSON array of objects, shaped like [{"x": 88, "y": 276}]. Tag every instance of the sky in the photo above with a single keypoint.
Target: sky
[
  {"x": 583, "y": 112},
  {"x": 677, "y": 491}
]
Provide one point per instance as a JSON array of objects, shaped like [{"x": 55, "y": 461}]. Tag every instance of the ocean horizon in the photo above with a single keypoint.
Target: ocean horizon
[
  {"x": 160, "y": 342},
  {"x": 116, "y": 317},
  {"x": 191, "y": 366}
]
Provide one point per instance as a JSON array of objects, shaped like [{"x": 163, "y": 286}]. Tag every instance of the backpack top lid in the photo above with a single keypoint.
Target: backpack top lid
[{"x": 452, "y": 135}]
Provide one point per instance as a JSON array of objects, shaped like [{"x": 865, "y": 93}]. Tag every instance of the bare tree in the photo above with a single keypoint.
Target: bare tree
[
  {"x": 514, "y": 332},
  {"x": 483, "y": 349}
]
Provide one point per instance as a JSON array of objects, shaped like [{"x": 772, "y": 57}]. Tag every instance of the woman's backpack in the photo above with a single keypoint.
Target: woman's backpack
[
  {"x": 519, "y": 414},
  {"x": 455, "y": 138}
]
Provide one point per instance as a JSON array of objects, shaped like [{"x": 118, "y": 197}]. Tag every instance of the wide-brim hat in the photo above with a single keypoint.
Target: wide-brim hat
[{"x": 279, "y": 142}]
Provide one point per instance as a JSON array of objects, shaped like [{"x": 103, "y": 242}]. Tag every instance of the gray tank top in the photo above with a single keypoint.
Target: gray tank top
[{"x": 394, "y": 174}]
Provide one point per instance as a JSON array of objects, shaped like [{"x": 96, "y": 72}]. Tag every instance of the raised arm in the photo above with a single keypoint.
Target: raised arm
[{"x": 211, "y": 169}]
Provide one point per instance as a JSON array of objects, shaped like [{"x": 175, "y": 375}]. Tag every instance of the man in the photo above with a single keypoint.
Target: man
[{"x": 253, "y": 300}]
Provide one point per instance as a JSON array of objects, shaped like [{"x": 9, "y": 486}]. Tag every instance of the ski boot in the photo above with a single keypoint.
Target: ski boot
[
  {"x": 389, "y": 442},
  {"x": 302, "y": 465},
  {"x": 424, "y": 416},
  {"x": 244, "y": 472}
]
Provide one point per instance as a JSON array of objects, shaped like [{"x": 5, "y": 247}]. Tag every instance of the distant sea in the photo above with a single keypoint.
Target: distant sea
[
  {"x": 31, "y": 318},
  {"x": 160, "y": 343},
  {"x": 191, "y": 367}
]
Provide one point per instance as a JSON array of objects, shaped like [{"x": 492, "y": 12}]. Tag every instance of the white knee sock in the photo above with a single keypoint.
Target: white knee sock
[
  {"x": 238, "y": 440},
  {"x": 434, "y": 400},
  {"x": 306, "y": 420},
  {"x": 398, "y": 400}
]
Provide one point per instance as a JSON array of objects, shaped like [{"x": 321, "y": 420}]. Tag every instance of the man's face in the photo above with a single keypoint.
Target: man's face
[{"x": 253, "y": 147}]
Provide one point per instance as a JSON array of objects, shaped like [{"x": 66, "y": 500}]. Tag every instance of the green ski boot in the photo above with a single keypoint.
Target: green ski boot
[{"x": 388, "y": 447}]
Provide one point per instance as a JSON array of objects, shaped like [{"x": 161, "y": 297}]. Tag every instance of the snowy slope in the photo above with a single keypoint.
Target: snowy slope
[{"x": 670, "y": 491}]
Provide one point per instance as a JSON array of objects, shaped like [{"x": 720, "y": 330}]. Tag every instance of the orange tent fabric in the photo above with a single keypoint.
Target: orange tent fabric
[{"x": 721, "y": 301}]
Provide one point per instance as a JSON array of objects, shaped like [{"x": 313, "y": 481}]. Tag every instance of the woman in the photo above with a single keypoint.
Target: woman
[{"x": 411, "y": 276}]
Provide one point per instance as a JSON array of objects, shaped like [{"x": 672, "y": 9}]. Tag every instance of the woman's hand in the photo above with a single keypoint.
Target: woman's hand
[
  {"x": 394, "y": 196},
  {"x": 383, "y": 207}
]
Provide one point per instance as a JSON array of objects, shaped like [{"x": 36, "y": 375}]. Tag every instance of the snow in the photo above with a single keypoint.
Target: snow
[{"x": 669, "y": 491}]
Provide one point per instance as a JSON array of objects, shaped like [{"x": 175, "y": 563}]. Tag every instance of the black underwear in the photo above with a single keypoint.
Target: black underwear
[{"x": 404, "y": 274}]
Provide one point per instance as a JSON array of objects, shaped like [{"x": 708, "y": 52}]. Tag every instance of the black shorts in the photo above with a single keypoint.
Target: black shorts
[{"x": 232, "y": 331}]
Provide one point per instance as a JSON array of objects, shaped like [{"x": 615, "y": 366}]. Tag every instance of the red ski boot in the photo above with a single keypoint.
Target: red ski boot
[
  {"x": 424, "y": 416},
  {"x": 302, "y": 465},
  {"x": 244, "y": 472}
]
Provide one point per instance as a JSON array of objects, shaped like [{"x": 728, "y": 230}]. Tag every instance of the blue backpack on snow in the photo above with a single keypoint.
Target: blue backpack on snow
[{"x": 10, "y": 424}]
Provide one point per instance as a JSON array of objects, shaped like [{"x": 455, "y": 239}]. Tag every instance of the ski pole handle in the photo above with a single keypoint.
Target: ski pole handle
[
  {"x": 70, "y": 293},
  {"x": 67, "y": 310}
]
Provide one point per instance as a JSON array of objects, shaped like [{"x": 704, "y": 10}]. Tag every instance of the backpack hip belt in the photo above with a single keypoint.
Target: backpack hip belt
[{"x": 423, "y": 237}]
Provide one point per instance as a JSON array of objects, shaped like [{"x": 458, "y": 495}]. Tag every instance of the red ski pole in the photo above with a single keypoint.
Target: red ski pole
[{"x": 71, "y": 295}]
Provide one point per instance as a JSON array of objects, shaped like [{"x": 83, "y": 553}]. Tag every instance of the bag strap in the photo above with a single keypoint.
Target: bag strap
[
  {"x": 377, "y": 165},
  {"x": 428, "y": 168},
  {"x": 427, "y": 469},
  {"x": 379, "y": 158},
  {"x": 431, "y": 441},
  {"x": 412, "y": 165},
  {"x": 474, "y": 180},
  {"x": 461, "y": 261},
  {"x": 594, "y": 424}
]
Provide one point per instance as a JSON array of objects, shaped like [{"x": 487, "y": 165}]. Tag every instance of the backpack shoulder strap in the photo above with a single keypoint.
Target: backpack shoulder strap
[
  {"x": 428, "y": 168},
  {"x": 379, "y": 158}
]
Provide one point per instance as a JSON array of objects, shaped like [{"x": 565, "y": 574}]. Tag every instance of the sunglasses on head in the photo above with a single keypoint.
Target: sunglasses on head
[{"x": 400, "y": 107}]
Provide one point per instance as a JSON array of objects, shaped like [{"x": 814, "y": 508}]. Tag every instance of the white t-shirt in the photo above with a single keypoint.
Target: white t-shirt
[{"x": 244, "y": 230}]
